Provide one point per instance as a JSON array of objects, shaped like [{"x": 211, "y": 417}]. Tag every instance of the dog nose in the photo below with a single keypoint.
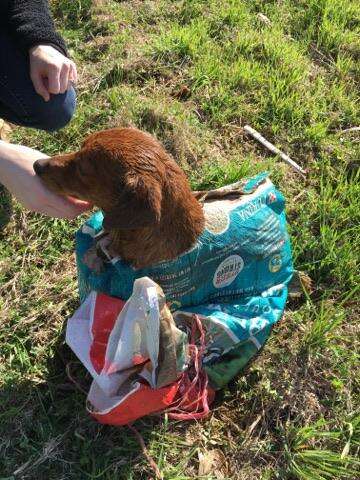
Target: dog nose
[{"x": 40, "y": 166}]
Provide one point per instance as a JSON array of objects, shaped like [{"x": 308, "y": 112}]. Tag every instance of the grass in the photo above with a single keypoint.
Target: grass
[{"x": 192, "y": 72}]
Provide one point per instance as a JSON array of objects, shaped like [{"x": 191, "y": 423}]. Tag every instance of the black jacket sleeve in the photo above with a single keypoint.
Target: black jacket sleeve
[{"x": 31, "y": 23}]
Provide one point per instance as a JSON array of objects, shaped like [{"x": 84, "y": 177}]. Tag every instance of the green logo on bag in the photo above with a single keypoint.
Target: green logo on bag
[{"x": 275, "y": 263}]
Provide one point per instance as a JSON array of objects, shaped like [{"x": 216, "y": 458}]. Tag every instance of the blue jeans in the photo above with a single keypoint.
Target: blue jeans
[{"x": 19, "y": 102}]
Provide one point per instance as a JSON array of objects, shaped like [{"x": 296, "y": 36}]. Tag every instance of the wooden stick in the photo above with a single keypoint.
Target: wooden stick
[
  {"x": 351, "y": 129},
  {"x": 145, "y": 452},
  {"x": 72, "y": 379},
  {"x": 232, "y": 189},
  {"x": 273, "y": 149},
  {"x": 202, "y": 195},
  {"x": 264, "y": 19}
]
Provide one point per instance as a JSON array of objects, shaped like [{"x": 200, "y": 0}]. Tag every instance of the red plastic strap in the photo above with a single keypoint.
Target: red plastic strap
[{"x": 193, "y": 385}]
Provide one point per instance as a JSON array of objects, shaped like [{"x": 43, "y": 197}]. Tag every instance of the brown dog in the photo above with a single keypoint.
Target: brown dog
[{"x": 148, "y": 206}]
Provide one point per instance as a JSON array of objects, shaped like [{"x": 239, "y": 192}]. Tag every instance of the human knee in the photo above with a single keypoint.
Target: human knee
[{"x": 58, "y": 111}]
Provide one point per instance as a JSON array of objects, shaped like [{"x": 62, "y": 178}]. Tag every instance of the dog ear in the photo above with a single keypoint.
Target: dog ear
[{"x": 138, "y": 206}]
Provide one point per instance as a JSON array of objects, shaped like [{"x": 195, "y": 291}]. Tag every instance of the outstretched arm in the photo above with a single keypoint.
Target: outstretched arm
[{"x": 18, "y": 176}]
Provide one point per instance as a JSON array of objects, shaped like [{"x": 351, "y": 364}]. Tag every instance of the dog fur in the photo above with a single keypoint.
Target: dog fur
[{"x": 149, "y": 210}]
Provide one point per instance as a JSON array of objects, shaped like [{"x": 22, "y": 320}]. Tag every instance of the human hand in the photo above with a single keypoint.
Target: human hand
[
  {"x": 18, "y": 176},
  {"x": 50, "y": 71}
]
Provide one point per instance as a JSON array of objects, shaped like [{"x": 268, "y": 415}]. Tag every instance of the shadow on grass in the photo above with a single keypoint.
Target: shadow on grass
[{"x": 45, "y": 431}]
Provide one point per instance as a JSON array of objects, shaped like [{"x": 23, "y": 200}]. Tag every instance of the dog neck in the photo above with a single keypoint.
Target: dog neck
[{"x": 181, "y": 224}]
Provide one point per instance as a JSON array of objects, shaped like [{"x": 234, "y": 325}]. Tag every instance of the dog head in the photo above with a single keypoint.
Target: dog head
[
  {"x": 121, "y": 171},
  {"x": 137, "y": 185}
]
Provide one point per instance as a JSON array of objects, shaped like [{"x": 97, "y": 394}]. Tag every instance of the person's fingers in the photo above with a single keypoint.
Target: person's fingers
[
  {"x": 69, "y": 207},
  {"x": 64, "y": 78},
  {"x": 50, "y": 211},
  {"x": 66, "y": 212},
  {"x": 73, "y": 73},
  {"x": 39, "y": 86},
  {"x": 66, "y": 209},
  {"x": 77, "y": 206},
  {"x": 45, "y": 206},
  {"x": 53, "y": 76},
  {"x": 80, "y": 203},
  {"x": 79, "y": 209},
  {"x": 49, "y": 203}
]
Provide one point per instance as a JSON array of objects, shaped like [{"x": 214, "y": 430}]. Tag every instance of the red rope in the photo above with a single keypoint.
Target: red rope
[{"x": 193, "y": 388}]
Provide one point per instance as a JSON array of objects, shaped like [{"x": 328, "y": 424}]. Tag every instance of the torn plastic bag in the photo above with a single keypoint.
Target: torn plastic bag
[{"x": 134, "y": 352}]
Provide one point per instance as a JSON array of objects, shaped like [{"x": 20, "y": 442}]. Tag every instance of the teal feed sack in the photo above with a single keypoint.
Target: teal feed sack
[{"x": 235, "y": 277}]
